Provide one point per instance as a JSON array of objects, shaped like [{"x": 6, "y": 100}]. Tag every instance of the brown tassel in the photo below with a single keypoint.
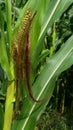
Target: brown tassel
[{"x": 21, "y": 56}]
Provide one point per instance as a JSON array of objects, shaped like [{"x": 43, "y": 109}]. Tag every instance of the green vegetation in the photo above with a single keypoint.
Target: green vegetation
[
  {"x": 51, "y": 57},
  {"x": 58, "y": 114}
]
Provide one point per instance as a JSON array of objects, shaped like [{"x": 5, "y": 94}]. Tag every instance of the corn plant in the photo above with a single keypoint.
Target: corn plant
[{"x": 23, "y": 107}]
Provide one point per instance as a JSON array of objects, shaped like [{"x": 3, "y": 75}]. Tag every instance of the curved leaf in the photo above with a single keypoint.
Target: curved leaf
[{"x": 45, "y": 84}]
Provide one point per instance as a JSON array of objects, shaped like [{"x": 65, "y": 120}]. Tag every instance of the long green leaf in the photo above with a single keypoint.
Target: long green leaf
[
  {"x": 8, "y": 16},
  {"x": 45, "y": 84},
  {"x": 5, "y": 62},
  {"x": 1, "y": 117},
  {"x": 54, "y": 11},
  {"x": 3, "y": 52},
  {"x": 9, "y": 107}
]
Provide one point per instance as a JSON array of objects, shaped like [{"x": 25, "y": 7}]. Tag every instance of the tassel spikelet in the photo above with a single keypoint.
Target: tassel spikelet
[
  {"x": 19, "y": 47},
  {"x": 21, "y": 57}
]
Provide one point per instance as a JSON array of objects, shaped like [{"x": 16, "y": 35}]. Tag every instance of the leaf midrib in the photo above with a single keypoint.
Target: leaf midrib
[{"x": 54, "y": 9}]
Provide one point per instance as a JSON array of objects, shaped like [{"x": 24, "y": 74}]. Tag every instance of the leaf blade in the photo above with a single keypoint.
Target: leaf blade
[{"x": 46, "y": 82}]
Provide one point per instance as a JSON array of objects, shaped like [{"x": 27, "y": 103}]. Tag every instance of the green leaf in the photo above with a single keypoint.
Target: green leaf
[
  {"x": 44, "y": 85},
  {"x": 4, "y": 60},
  {"x": 9, "y": 107},
  {"x": 8, "y": 17},
  {"x": 54, "y": 10},
  {"x": 44, "y": 54},
  {"x": 1, "y": 117},
  {"x": 3, "y": 52}
]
